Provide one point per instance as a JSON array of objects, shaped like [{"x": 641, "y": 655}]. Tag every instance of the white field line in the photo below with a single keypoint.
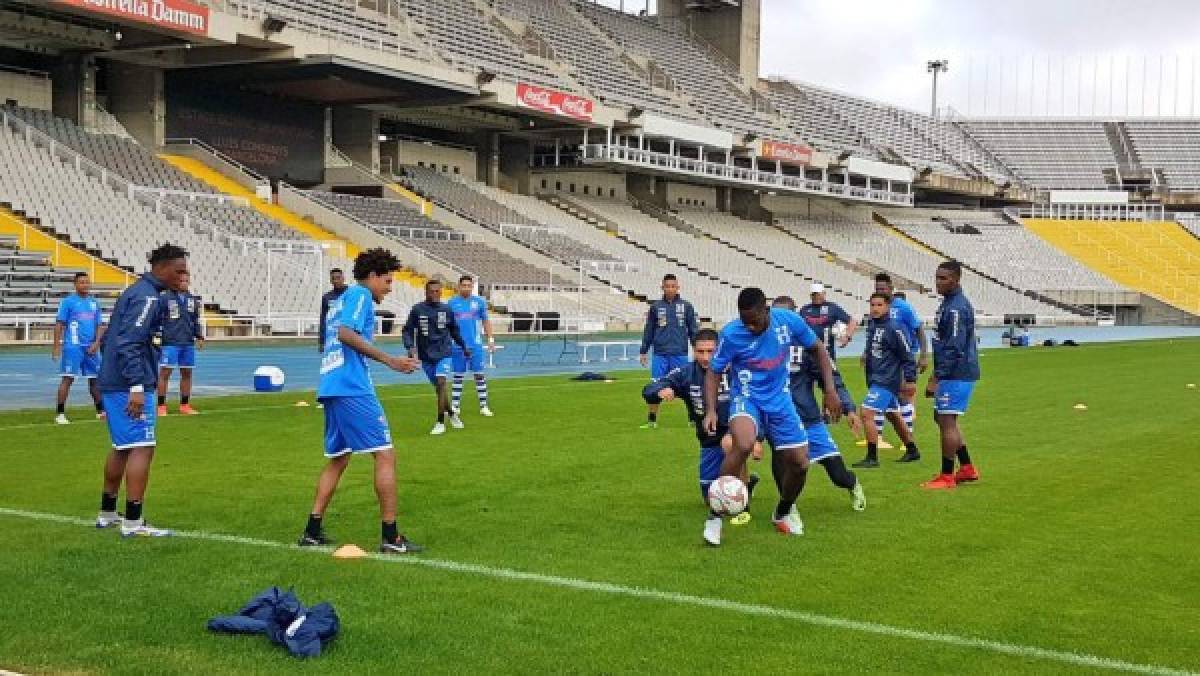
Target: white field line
[{"x": 577, "y": 584}]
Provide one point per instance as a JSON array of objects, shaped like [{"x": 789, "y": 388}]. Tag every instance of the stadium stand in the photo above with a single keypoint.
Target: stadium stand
[
  {"x": 1173, "y": 147},
  {"x": 1158, "y": 258},
  {"x": 142, "y": 168},
  {"x": 1066, "y": 154},
  {"x": 29, "y": 284}
]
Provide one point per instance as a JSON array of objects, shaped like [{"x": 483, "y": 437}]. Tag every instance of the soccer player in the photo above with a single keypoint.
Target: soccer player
[
  {"x": 81, "y": 326},
  {"x": 671, "y": 326},
  {"x": 906, "y": 317},
  {"x": 955, "y": 371},
  {"x": 130, "y": 368},
  {"x": 687, "y": 383},
  {"x": 470, "y": 311},
  {"x": 754, "y": 351},
  {"x": 886, "y": 359},
  {"x": 804, "y": 375},
  {"x": 821, "y": 316},
  {"x": 337, "y": 279},
  {"x": 354, "y": 419},
  {"x": 428, "y": 334},
  {"x": 182, "y": 334}
]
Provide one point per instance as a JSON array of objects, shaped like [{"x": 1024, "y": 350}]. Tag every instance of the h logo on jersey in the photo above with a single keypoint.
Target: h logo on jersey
[
  {"x": 796, "y": 360},
  {"x": 679, "y": 313},
  {"x": 662, "y": 317},
  {"x": 783, "y": 334},
  {"x": 441, "y": 319},
  {"x": 744, "y": 378}
]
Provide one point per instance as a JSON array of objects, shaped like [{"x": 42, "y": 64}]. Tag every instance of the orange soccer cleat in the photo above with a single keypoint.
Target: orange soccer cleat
[
  {"x": 966, "y": 473},
  {"x": 186, "y": 409},
  {"x": 940, "y": 481},
  {"x": 162, "y": 411}
]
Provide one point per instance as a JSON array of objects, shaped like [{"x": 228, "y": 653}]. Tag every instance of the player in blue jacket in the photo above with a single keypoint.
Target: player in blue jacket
[
  {"x": 355, "y": 422},
  {"x": 182, "y": 334},
  {"x": 687, "y": 383},
  {"x": 886, "y": 360},
  {"x": 822, "y": 316},
  {"x": 128, "y": 370},
  {"x": 955, "y": 372},
  {"x": 906, "y": 318},
  {"x": 671, "y": 326},
  {"x": 470, "y": 314},
  {"x": 754, "y": 353},
  {"x": 428, "y": 334},
  {"x": 79, "y": 329}
]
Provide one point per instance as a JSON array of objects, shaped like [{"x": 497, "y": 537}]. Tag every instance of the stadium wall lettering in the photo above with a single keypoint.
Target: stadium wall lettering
[{"x": 176, "y": 15}]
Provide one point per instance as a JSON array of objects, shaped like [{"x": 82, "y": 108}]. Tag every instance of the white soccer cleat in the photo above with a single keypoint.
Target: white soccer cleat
[
  {"x": 486, "y": 412},
  {"x": 858, "y": 499},
  {"x": 455, "y": 410},
  {"x": 141, "y": 529},
  {"x": 108, "y": 519},
  {"x": 456, "y": 422},
  {"x": 712, "y": 531},
  {"x": 790, "y": 524},
  {"x": 438, "y": 429},
  {"x": 61, "y": 419}
]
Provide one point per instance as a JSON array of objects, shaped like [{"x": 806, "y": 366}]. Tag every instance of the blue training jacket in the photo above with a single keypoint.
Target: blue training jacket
[
  {"x": 887, "y": 352},
  {"x": 955, "y": 351},
  {"x": 130, "y": 356},
  {"x": 432, "y": 329},
  {"x": 181, "y": 318},
  {"x": 670, "y": 327},
  {"x": 688, "y": 384}
]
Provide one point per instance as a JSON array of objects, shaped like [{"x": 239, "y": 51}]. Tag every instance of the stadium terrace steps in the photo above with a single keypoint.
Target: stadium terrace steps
[
  {"x": 64, "y": 254},
  {"x": 32, "y": 281},
  {"x": 1158, "y": 258},
  {"x": 223, "y": 184}
]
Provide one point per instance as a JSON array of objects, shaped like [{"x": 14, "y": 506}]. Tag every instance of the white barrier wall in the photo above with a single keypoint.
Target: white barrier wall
[
  {"x": 592, "y": 183},
  {"x": 28, "y": 90}
]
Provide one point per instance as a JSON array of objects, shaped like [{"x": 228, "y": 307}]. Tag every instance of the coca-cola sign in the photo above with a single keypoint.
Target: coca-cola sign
[
  {"x": 175, "y": 15},
  {"x": 786, "y": 152},
  {"x": 554, "y": 102}
]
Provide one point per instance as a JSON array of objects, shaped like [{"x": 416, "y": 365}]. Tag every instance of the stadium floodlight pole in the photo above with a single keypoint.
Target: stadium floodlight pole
[{"x": 936, "y": 66}]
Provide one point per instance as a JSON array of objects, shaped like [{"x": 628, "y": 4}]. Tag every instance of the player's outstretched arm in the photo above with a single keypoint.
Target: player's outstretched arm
[
  {"x": 350, "y": 338},
  {"x": 833, "y": 405}
]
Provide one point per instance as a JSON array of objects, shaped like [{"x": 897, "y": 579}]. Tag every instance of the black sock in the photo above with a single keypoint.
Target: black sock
[
  {"x": 184, "y": 399},
  {"x": 872, "y": 450},
  {"x": 750, "y": 485},
  {"x": 783, "y": 508},
  {"x": 133, "y": 510},
  {"x": 314, "y": 525},
  {"x": 651, "y": 417},
  {"x": 441, "y": 416},
  {"x": 838, "y": 473},
  {"x": 99, "y": 407},
  {"x": 911, "y": 447},
  {"x": 108, "y": 502},
  {"x": 390, "y": 534},
  {"x": 947, "y": 465},
  {"x": 162, "y": 401},
  {"x": 964, "y": 458},
  {"x": 61, "y": 408}
]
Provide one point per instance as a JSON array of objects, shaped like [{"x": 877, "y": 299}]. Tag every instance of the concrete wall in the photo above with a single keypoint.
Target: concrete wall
[
  {"x": 356, "y": 133},
  {"x": 73, "y": 91},
  {"x": 589, "y": 183},
  {"x": 684, "y": 195},
  {"x": 506, "y": 161},
  {"x": 29, "y": 91},
  {"x": 137, "y": 98},
  {"x": 457, "y": 161},
  {"x": 733, "y": 31}
]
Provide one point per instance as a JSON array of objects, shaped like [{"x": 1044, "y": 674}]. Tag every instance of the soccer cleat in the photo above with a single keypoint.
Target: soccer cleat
[
  {"x": 186, "y": 409},
  {"x": 438, "y": 429},
  {"x": 941, "y": 481},
  {"x": 486, "y": 412},
  {"x": 162, "y": 410},
  {"x": 402, "y": 545},
  {"x": 318, "y": 540},
  {"x": 741, "y": 519},
  {"x": 455, "y": 410},
  {"x": 712, "y": 531},
  {"x": 909, "y": 457},
  {"x": 141, "y": 529},
  {"x": 858, "y": 498},
  {"x": 648, "y": 426},
  {"x": 790, "y": 524},
  {"x": 866, "y": 463},
  {"x": 108, "y": 519},
  {"x": 61, "y": 419},
  {"x": 456, "y": 422},
  {"x": 966, "y": 473}
]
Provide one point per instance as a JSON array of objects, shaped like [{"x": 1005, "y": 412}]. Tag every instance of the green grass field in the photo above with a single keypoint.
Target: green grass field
[{"x": 1082, "y": 538}]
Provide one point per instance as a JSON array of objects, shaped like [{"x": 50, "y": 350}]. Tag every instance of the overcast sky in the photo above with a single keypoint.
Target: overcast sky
[{"x": 1015, "y": 56}]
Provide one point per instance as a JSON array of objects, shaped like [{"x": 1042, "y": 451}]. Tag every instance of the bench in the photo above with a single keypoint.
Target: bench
[{"x": 604, "y": 345}]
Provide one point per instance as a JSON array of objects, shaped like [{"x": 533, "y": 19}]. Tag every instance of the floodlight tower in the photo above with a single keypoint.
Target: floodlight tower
[{"x": 936, "y": 66}]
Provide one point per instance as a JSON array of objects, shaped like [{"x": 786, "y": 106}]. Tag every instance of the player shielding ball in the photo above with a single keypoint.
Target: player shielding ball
[{"x": 354, "y": 419}]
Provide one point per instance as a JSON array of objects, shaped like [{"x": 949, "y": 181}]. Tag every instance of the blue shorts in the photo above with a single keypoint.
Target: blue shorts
[
  {"x": 178, "y": 356},
  {"x": 711, "y": 459},
  {"x": 126, "y": 432},
  {"x": 820, "y": 444},
  {"x": 442, "y": 368},
  {"x": 355, "y": 425},
  {"x": 953, "y": 396},
  {"x": 77, "y": 363},
  {"x": 776, "y": 421},
  {"x": 661, "y": 366},
  {"x": 880, "y": 398},
  {"x": 460, "y": 361}
]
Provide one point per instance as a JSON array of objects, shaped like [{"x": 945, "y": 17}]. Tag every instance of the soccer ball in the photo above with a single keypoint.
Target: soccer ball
[
  {"x": 838, "y": 330},
  {"x": 728, "y": 496}
]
